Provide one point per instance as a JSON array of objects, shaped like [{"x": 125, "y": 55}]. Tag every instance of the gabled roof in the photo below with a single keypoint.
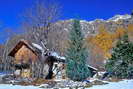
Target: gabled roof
[
  {"x": 36, "y": 49},
  {"x": 19, "y": 45}
]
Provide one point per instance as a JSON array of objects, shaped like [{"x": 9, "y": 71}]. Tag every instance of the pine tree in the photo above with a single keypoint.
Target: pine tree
[
  {"x": 76, "y": 55},
  {"x": 121, "y": 63}
]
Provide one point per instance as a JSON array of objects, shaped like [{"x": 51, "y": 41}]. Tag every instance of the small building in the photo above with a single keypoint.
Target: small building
[
  {"x": 23, "y": 52},
  {"x": 23, "y": 55},
  {"x": 26, "y": 54}
]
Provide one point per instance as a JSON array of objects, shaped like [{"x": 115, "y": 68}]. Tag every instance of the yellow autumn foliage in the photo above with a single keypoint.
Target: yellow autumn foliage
[
  {"x": 120, "y": 31},
  {"x": 130, "y": 32},
  {"x": 100, "y": 45},
  {"x": 103, "y": 40},
  {"x": 130, "y": 28}
]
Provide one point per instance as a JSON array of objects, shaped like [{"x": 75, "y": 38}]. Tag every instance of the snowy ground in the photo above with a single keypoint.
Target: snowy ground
[
  {"x": 126, "y": 84},
  {"x": 7, "y": 86}
]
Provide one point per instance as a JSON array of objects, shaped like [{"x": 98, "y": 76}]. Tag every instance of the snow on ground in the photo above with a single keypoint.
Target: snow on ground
[
  {"x": 126, "y": 84},
  {"x": 10, "y": 86}
]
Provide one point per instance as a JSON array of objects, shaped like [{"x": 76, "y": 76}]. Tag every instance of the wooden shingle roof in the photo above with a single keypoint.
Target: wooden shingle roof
[{"x": 19, "y": 45}]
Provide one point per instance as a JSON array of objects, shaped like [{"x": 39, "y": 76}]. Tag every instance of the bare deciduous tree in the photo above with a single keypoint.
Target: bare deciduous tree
[
  {"x": 38, "y": 19},
  {"x": 6, "y": 61},
  {"x": 37, "y": 23}
]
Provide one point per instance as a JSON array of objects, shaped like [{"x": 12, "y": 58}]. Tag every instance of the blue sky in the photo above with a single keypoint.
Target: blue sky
[{"x": 11, "y": 10}]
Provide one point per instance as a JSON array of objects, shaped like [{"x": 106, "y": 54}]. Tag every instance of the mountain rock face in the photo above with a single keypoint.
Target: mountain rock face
[{"x": 89, "y": 28}]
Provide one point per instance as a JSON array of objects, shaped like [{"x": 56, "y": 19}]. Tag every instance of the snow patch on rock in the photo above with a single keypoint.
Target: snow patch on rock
[{"x": 118, "y": 17}]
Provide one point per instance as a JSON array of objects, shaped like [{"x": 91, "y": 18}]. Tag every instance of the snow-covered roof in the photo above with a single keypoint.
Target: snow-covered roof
[
  {"x": 92, "y": 67},
  {"x": 37, "y": 46},
  {"x": 62, "y": 58},
  {"x": 55, "y": 54}
]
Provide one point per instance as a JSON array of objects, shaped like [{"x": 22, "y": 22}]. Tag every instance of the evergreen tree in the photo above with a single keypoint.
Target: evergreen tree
[
  {"x": 121, "y": 63},
  {"x": 76, "y": 55}
]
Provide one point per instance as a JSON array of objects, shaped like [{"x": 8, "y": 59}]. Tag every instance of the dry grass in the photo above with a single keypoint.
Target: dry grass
[
  {"x": 114, "y": 79},
  {"x": 38, "y": 82},
  {"x": 96, "y": 82}
]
